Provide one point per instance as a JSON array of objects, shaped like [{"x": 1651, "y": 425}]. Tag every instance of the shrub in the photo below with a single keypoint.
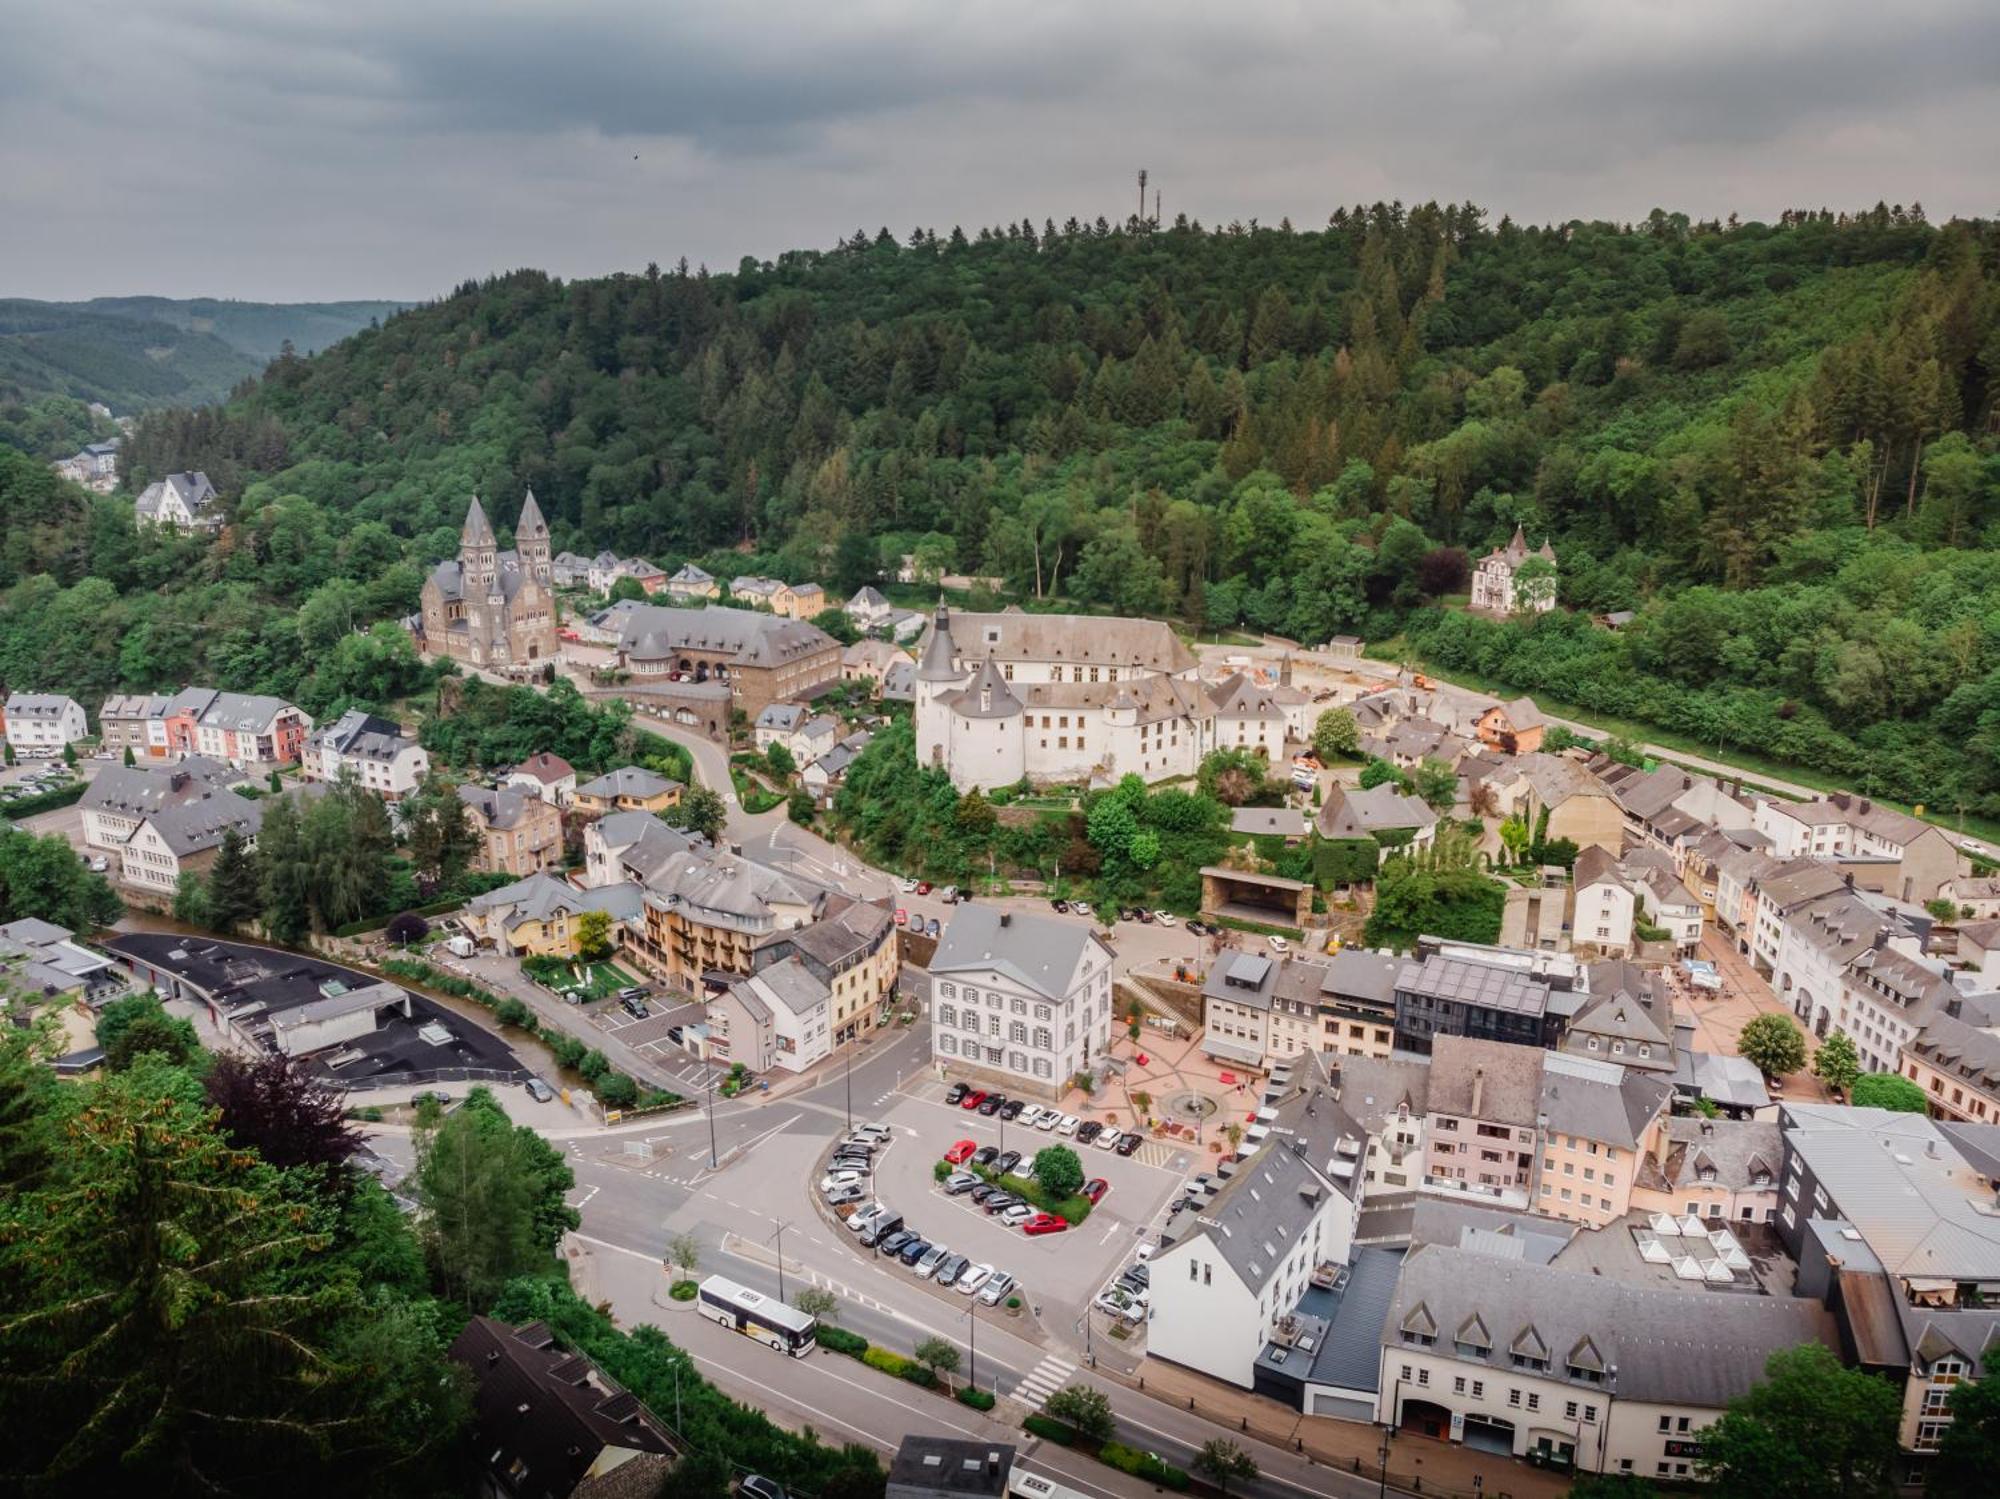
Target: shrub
[
  {"x": 513, "y": 1012},
  {"x": 617, "y": 1091},
  {"x": 940, "y": 1170},
  {"x": 979, "y": 1400},
  {"x": 840, "y": 1340},
  {"x": 1142, "y": 1465},
  {"x": 1049, "y": 1429},
  {"x": 1013, "y": 1303},
  {"x": 684, "y": 1290}
]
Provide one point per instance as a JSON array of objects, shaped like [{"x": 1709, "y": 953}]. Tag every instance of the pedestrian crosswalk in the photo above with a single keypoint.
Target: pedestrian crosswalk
[{"x": 1042, "y": 1381}]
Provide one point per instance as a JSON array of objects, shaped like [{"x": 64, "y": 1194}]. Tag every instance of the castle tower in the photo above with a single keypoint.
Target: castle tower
[
  {"x": 478, "y": 554},
  {"x": 531, "y": 541},
  {"x": 938, "y": 677}
]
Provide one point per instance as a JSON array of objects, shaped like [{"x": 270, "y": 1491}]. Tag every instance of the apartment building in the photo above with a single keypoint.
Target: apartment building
[
  {"x": 1019, "y": 1001},
  {"x": 1885, "y": 850},
  {"x": 707, "y": 913},
  {"x": 851, "y": 950},
  {"x": 121, "y": 797},
  {"x": 1955, "y": 1059},
  {"x": 183, "y": 837},
  {"x": 41, "y": 725},
  {"x": 1492, "y": 993},
  {"x": 377, "y": 753},
  {"x": 518, "y": 834}
]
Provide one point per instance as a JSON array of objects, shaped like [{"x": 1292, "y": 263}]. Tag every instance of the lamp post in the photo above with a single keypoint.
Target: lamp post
[
  {"x": 708, "y": 1079},
  {"x": 972, "y": 1344},
  {"x": 850, "y": 1085},
  {"x": 1389, "y": 1431},
  {"x": 779, "y": 1236}
]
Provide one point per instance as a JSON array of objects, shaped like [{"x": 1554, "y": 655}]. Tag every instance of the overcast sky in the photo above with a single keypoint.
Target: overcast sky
[{"x": 298, "y": 150}]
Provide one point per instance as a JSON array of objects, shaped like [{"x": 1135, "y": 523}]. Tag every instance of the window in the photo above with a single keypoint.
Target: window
[
  {"x": 947, "y": 1015},
  {"x": 1590, "y": 1414},
  {"x": 948, "y": 1045},
  {"x": 1569, "y": 1410},
  {"x": 1514, "y": 1397},
  {"x": 1458, "y": 1386},
  {"x": 1534, "y": 1401},
  {"x": 1666, "y": 1423}
]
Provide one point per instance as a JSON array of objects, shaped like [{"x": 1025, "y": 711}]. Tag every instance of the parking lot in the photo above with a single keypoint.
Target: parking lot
[
  {"x": 1060, "y": 1272},
  {"x": 652, "y": 1036}
]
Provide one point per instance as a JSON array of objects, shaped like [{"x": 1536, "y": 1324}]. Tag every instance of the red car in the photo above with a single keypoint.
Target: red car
[
  {"x": 923, "y": 887},
  {"x": 1044, "y": 1223},
  {"x": 957, "y": 1154},
  {"x": 1094, "y": 1190},
  {"x": 973, "y": 1099},
  {"x": 902, "y": 916}
]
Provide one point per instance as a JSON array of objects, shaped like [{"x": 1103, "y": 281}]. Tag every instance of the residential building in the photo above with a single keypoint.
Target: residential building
[
  {"x": 1885, "y": 850},
  {"x": 778, "y": 1016},
  {"x": 541, "y": 915},
  {"x": 1666, "y": 805},
  {"x": 1979, "y": 948},
  {"x": 1232, "y": 1271},
  {"x": 121, "y": 797},
  {"x": 41, "y": 961},
  {"x": 183, "y": 836},
  {"x": 1976, "y": 896},
  {"x": 518, "y": 834},
  {"x": 762, "y": 660},
  {"x": 378, "y": 754},
  {"x": 1492, "y": 993},
  {"x": 1357, "y": 1003},
  {"x": 1717, "y": 1170},
  {"x": 630, "y": 788},
  {"x": 545, "y": 776},
  {"x": 1890, "y": 1217},
  {"x": 768, "y": 593},
  {"x": 1627, "y": 1018},
  {"x": 551, "y": 1424},
  {"x": 1955, "y": 1059},
  {"x": 1019, "y": 1000},
  {"x": 868, "y": 608},
  {"x": 1514, "y": 728},
  {"x": 850, "y": 949},
  {"x": 631, "y": 846},
  {"x": 1288, "y": 823},
  {"x": 1579, "y": 805},
  {"x": 136, "y": 721},
  {"x": 1250, "y": 717},
  {"x": 490, "y": 608},
  {"x": 823, "y": 776},
  {"x": 1236, "y": 1008},
  {"x": 1381, "y": 812},
  {"x": 706, "y": 913},
  {"x": 1525, "y": 1359},
  {"x": 41, "y": 725},
  {"x": 807, "y": 600},
  {"x": 1614, "y": 898},
  {"x": 1493, "y": 578},
  {"x": 569, "y": 570},
  {"x": 928, "y": 1467},
  {"x": 1886, "y": 1002},
  {"x": 689, "y": 583},
  {"x": 873, "y": 660},
  {"x": 1389, "y": 1099},
  {"x": 187, "y": 502},
  {"x": 1598, "y": 1121},
  {"x": 1482, "y": 1134},
  {"x": 1058, "y": 698},
  {"x": 246, "y": 729},
  {"x": 777, "y": 723}
]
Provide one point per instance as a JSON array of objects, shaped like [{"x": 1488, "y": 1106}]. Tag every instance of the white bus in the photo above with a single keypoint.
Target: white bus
[{"x": 758, "y": 1316}]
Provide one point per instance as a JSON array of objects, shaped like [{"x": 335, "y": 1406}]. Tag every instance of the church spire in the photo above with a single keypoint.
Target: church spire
[
  {"x": 478, "y": 532},
  {"x": 531, "y": 522},
  {"x": 531, "y": 541}
]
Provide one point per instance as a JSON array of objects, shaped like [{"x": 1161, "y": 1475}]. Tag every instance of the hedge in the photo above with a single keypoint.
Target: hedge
[
  {"x": 376, "y": 923},
  {"x": 1073, "y": 1209},
  {"x": 979, "y": 1400},
  {"x": 46, "y": 801},
  {"x": 902, "y": 1368},
  {"x": 840, "y": 1340},
  {"x": 1142, "y": 1465},
  {"x": 1050, "y": 1429}
]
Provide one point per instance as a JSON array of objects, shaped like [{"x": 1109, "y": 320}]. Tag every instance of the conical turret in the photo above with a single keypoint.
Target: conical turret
[
  {"x": 477, "y": 552},
  {"x": 531, "y": 541},
  {"x": 477, "y": 531},
  {"x": 937, "y": 665}
]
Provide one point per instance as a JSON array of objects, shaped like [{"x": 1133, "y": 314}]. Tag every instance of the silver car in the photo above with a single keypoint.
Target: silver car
[
  {"x": 997, "y": 1286},
  {"x": 927, "y": 1265}
]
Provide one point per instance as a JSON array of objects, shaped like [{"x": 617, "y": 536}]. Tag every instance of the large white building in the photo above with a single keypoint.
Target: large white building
[
  {"x": 40, "y": 724},
  {"x": 1494, "y": 583},
  {"x": 1063, "y": 698},
  {"x": 1021, "y": 1002}
]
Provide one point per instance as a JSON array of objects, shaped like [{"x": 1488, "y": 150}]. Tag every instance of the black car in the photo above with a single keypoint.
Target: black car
[
  {"x": 1006, "y": 1161},
  {"x": 1199, "y": 928},
  {"x": 1011, "y": 1109},
  {"x": 949, "y": 1270},
  {"x": 913, "y": 1251},
  {"x": 633, "y": 1006},
  {"x": 1140, "y": 1274},
  {"x": 894, "y": 1243},
  {"x": 994, "y": 1103},
  {"x": 955, "y": 1094},
  {"x": 1059, "y": 905},
  {"x": 1128, "y": 1144},
  {"x": 999, "y": 1202},
  {"x": 984, "y": 1155},
  {"x": 1087, "y": 1131},
  {"x": 983, "y": 1191}
]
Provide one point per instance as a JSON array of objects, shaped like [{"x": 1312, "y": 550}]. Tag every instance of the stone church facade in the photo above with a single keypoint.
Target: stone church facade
[{"x": 490, "y": 608}]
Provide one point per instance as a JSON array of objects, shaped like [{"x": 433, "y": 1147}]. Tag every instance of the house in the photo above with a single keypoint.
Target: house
[
  {"x": 121, "y": 797},
  {"x": 42, "y": 961},
  {"x": 518, "y": 834},
  {"x": 1979, "y": 947},
  {"x": 1494, "y": 578},
  {"x": 767, "y": 593},
  {"x": 1580, "y": 807},
  {"x": 1019, "y": 1000},
  {"x": 1596, "y": 1121},
  {"x": 1976, "y": 896},
  {"x": 927, "y": 1467},
  {"x": 1885, "y": 850},
  {"x": 1231, "y": 1272},
  {"x": 1381, "y": 813},
  {"x": 1955, "y": 1059},
  {"x": 1616, "y": 899},
  {"x": 187, "y": 502},
  {"x": 1357, "y": 1003},
  {"x": 1890, "y": 1218},
  {"x": 872, "y": 659},
  {"x": 541, "y": 915},
  {"x": 707, "y": 912},
  {"x": 849, "y": 947},
  {"x": 650, "y": 579},
  {"x": 807, "y": 600},
  {"x": 1628, "y": 1018},
  {"x": 1249, "y": 717},
  {"x": 899, "y": 684},
  {"x": 1585, "y": 1371},
  {"x": 823, "y": 777},
  {"x": 1720, "y": 1171},
  {"x": 603, "y": 571},
  {"x": 760, "y": 659},
  {"x": 1236, "y": 1008},
  {"x": 569, "y": 570},
  {"x": 1481, "y": 1128},
  {"x": 689, "y": 583},
  {"x": 1670, "y": 807},
  {"x": 490, "y": 608},
  {"x": 813, "y": 738},
  {"x": 630, "y": 846},
  {"x": 545, "y": 776},
  {"x": 776, "y": 725},
  {"x": 1514, "y": 728},
  {"x": 183, "y": 836},
  {"x": 1288, "y": 823},
  {"x": 551, "y": 1424},
  {"x": 250, "y": 730},
  {"x": 868, "y": 608},
  {"x": 779, "y": 1016},
  {"x": 630, "y": 788},
  {"x": 136, "y": 721},
  {"x": 1492, "y": 993},
  {"x": 41, "y": 725},
  {"x": 377, "y": 753}
]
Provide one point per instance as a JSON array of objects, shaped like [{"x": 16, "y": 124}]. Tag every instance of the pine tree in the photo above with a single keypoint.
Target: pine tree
[{"x": 235, "y": 891}]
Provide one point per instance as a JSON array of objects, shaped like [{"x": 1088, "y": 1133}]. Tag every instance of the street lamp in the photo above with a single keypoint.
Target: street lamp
[
  {"x": 779, "y": 1235},
  {"x": 972, "y": 1344},
  {"x": 850, "y": 1085},
  {"x": 708, "y": 1080}
]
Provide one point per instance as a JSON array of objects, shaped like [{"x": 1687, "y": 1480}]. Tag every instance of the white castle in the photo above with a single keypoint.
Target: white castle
[{"x": 1071, "y": 698}]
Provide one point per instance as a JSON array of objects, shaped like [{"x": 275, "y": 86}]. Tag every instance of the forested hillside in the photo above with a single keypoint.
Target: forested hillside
[{"x": 1774, "y": 441}]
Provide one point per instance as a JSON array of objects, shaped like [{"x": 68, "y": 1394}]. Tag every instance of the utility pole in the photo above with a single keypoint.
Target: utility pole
[
  {"x": 708, "y": 1077},
  {"x": 972, "y": 1345},
  {"x": 779, "y": 1235},
  {"x": 1156, "y": 208},
  {"x": 1142, "y": 197},
  {"x": 850, "y": 1085}
]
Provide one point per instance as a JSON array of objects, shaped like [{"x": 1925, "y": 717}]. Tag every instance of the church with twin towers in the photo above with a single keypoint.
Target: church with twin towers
[{"x": 490, "y": 608}]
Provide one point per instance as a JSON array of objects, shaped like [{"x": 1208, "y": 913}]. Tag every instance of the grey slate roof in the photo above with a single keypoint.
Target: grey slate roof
[
  {"x": 1357, "y": 974},
  {"x": 987, "y": 696},
  {"x": 1282, "y": 822},
  {"x": 541, "y": 896},
  {"x": 1089, "y": 640},
  {"x": 1508, "y": 1080},
  {"x": 501, "y": 808},
  {"x": 1041, "y": 954},
  {"x": 1600, "y": 1100},
  {"x": 1354, "y": 813},
  {"x": 750, "y": 637},
  {"x": 362, "y": 736},
  {"x": 628, "y": 780},
  {"x": 38, "y": 705},
  {"x": 782, "y": 717},
  {"x": 1668, "y": 1346},
  {"x": 199, "y": 823},
  {"x": 1242, "y": 978},
  {"x": 140, "y": 790}
]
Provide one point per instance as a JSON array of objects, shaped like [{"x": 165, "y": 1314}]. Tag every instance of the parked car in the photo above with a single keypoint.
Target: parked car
[
  {"x": 902, "y": 916},
  {"x": 1011, "y": 1109},
  {"x": 1070, "y": 1125},
  {"x": 1144, "y": 917},
  {"x": 998, "y": 1284},
  {"x": 864, "y": 1216},
  {"x": 1031, "y": 1114},
  {"x": 1129, "y": 1143},
  {"x": 931, "y": 927},
  {"x": 1044, "y": 1223},
  {"x": 974, "y": 1097},
  {"x": 1278, "y": 944},
  {"x": 960, "y": 1181},
  {"x": 992, "y": 1104},
  {"x": 984, "y": 1155},
  {"x": 840, "y": 1196},
  {"x": 923, "y": 887},
  {"x": 949, "y": 895},
  {"x": 872, "y": 1132},
  {"x": 893, "y": 1243},
  {"x": 950, "y": 1268},
  {"x": 634, "y": 1006},
  {"x": 955, "y": 1094},
  {"x": 915, "y": 1250},
  {"x": 928, "y": 1262},
  {"x": 833, "y": 1181},
  {"x": 757, "y": 1486},
  {"x": 1019, "y": 1213},
  {"x": 100, "y": 865},
  {"x": 1140, "y": 1275},
  {"x": 960, "y": 1152},
  {"x": 980, "y": 1193},
  {"x": 908, "y": 887},
  {"x": 972, "y": 1277},
  {"x": 1128, "y": 913},
  {"x": 1049, "y": 1120},
  {"x": 1108, "y": 1139},
  {"x": 1061, "y": 906},
  {"x": 1079, "y": 908},
  {"x": 879, "y": 1228},
  {"x": 1199, "y": 928},
  {"x": 540, "y": 1091},
  {"x": 1006, "y": 1161},
  {"x": 1165, "y": 918},
  {"x": 1087, "y": 1131},
  {"x": 1093, "y": 1190},
  {"x": 1000, "y": 1202}
]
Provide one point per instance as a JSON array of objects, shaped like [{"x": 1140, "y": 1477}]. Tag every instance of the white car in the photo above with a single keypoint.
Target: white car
[
  {"x": 833, "y": 1181},
  {"x": 1278, "y": 944},
  {"x": 870, "y": 1133},
  {"x": 1166, "y": 918},
  {"x": 972, "y": 1278},
  {"x": 1029, "y": 1117},
  {"x": 1019, "y": 1213},
  {"x": 1107, "y": 1140},
  {"x": 1069, "y": 1125},
  {"x": 1080, "y": 907},
  {"x": 864, "y": 1216},
  {"x": 1049, "y": 1120},
  {"x": 909, "y": 887}
]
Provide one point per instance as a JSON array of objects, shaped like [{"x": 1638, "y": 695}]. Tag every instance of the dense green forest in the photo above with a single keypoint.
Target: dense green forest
[
  {"x": 1774, "y": 441},
  {"x": 135, "y": 353}
]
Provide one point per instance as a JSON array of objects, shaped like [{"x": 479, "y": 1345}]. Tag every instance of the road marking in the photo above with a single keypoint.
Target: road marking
[
  {"x": 590, "y": 1192},
  {"x": 1042, "y": 1381},
  {"x": 1109, "y": 1232},
  {"x": 637, "y": 1254}
]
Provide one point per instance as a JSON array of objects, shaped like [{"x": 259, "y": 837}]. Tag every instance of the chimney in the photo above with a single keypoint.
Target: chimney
[
  {"x": 1478, "y": 1089},
  {"x": 178, "y": 781},
  {"x": 1866, "y": 806}
]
